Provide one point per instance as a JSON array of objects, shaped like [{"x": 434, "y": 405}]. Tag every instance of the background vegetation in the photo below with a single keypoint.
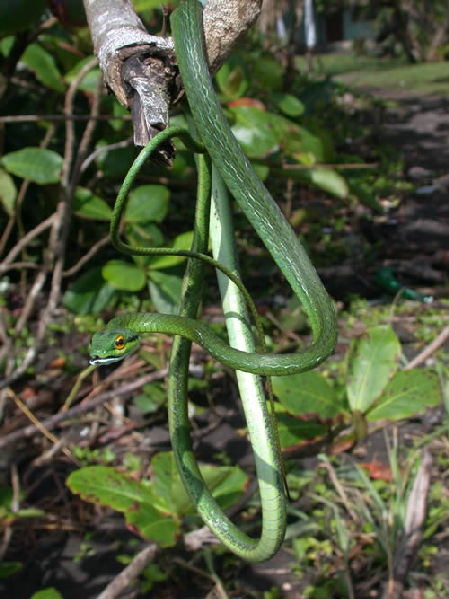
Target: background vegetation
[{"x": 365, "y": 437}]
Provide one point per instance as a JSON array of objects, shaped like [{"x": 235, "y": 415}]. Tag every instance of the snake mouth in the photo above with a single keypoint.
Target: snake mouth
[{"x": 98, "y": 361}]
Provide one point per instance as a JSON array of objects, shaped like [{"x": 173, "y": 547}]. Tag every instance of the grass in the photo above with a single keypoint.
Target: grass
[{"x": 363, "y": 71}]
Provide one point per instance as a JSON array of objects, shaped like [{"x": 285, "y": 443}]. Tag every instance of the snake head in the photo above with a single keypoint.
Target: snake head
[{"x": 112, "y": 345}]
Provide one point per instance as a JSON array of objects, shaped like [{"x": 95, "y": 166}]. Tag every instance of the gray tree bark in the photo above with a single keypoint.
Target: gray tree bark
[{"x": 141, "y": 69}]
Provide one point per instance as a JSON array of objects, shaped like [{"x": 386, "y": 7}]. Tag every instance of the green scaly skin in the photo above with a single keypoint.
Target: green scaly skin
[
  {"x": 132, "y": 325},
  {"x": 244, "y": 184},
  {"x": 292, "y": 259}
]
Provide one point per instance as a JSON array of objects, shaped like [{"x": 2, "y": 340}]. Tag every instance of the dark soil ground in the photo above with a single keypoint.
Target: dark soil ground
[{"x": 415, "y": 239}]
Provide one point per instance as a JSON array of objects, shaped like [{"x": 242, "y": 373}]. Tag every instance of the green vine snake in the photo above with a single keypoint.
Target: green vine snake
[{"x": 122, "y": 333}]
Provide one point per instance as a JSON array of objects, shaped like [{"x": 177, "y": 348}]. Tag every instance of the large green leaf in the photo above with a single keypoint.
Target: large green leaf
[
  {"x": 43, "y": 64},
  {"x": 89, "y": 294},
  {"x": 123, "y": 275},
  {"x": 147, "y": 203},
  {"x": 409, "y": 393},
  {"x": 373, "y": 360},
  {"x": 8, "y": 192},
  {"x": 106, "y": 486},
  {"x": 36, "y": 164},
  {"x": 88, "y": 205},
  {"x": 307, "y": 393}
]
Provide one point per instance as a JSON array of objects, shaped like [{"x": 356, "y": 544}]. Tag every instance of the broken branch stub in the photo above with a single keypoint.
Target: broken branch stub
[{"x": 141, "y": 68}]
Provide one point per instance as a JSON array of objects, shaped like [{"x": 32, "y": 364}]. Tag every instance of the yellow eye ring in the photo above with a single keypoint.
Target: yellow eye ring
[{"x": 119, "y": 342}]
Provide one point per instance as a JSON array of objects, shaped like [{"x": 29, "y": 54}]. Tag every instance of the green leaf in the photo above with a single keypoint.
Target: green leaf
[
  {"x": 144, "y": 234},
  {"x": 115, "y": 163},
  {"x": 88, "y": 205},
  {"x": 43, "y": 64},
  {"x": 89, "y": 294},
  {"x": 232, "y": 78},
  {"x": 151, "y": 524},
  {"x": 6, "y": 497},
  {"x": 226, "y": 484},
  {"x": 105, "y": 486},
  {"x": 373, "y": 360},
  {"x": 50, "y": 593},
  {"x": 147, "y": 203},
  {"x": 19, "y": 15},
  {"x": 164, "y": 476},
  {"x": 181, "y": 242},
  {"x": 8, "y": 192},
  {"x": 327, "y": 179},
  {"x": 9, "y": 568},
  {"x": 307, "y": 393},
  {"x": 288, "y": 104},
  {"x": 165, "y": 291},
  {"x": 268, "y": 72},
  {"x": 254, "y": 131},
  {"x": 409, "y": 393},
  {"x": 146, "y": 5},
  {"x": 124, "y": 275},
  {"x": 154, "y": 396},
  {"x": 296, "y": 431},
  {"x": 36, "y": 164},
  {"x": 302, "y": 141}
]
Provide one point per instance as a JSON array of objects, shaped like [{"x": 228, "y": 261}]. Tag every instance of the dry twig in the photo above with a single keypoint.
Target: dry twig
[
  {"x": 430, "y": 349},
  {"x": 130, "y": 573}
]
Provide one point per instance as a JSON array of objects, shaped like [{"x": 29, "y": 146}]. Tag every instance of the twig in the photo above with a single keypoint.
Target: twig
[
  {"x": 18, "y": 266},
  {"x": 31, "y": 297},
  {"x": 93, "y": 250},
  {"x": 28, "y": 238},
  {"x": 430, "y": 349},
  {"x": 52, "y": 421},
  {"x": 36, "y": 422},
  {"x": 130, "y": 573},
  {"x": 85, "y": 373},
  {"x": 120, "y": 144}
]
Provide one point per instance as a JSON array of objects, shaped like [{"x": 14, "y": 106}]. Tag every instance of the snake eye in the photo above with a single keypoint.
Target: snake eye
[{"x": 119, "y": 342}]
